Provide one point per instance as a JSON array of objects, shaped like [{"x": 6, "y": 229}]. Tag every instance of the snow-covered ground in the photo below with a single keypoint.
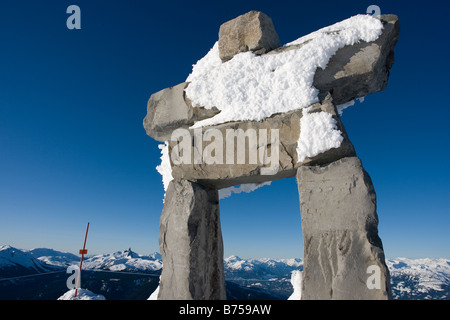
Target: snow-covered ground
[{"x": 82, "y": 294}]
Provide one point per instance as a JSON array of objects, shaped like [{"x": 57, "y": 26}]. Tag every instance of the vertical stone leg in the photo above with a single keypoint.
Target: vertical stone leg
[
  {"x": 343, "y": 255},
  {"x": 190, "y": 241}
]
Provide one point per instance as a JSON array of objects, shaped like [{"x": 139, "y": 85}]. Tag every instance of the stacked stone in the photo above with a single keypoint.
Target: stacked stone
[{"x": 337, "y": 197}]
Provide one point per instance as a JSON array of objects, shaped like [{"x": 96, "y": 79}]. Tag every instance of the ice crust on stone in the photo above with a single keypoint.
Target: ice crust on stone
[{"x": 82, "y": 294}]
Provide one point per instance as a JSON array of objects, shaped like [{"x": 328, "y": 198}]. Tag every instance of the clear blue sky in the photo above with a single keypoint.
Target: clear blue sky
[{"x": 73, "y": 149}]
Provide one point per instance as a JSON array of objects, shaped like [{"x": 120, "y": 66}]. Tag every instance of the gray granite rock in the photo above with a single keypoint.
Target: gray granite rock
[
  {"x": 358, "y": 70},
  {"x": 170, "y": 109},
  {"x": 253, "y": 31},
  {"x": 340, "y": 233},
  {"x": 191, "y": 246},
  {"x": 353, "y": 72},
  {"x": 222, "y": 174}
]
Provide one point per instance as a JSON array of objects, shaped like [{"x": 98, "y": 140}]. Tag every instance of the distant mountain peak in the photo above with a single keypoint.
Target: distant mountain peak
[
  {"x": 130, "y": 253},
  {"x": 233, "y": 258}
]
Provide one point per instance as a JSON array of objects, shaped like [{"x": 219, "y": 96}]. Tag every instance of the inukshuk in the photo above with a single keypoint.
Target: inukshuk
[{"x": 254, "y": 111}]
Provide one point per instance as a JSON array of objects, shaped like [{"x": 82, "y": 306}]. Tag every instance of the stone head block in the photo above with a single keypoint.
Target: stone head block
[{"x": 253, "y": 31}]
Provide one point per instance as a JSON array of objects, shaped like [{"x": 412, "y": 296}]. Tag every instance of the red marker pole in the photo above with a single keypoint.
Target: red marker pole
[{"x": 82, "y": 252}]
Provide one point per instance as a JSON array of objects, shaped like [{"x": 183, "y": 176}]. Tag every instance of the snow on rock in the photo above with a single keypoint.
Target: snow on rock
[
  {"x": 82, "y": 294},
  {"x": 165, "y": 169},
  {"x": 296, "y": 281},
  {"x": 252, "y": 87},
  {"x": 318, "y": 134}
]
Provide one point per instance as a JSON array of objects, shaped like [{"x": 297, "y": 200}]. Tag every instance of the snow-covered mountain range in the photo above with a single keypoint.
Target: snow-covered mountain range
[
  {"x": 44, "y": 260},
  {"x": 422, "y": 279},
  {"x": 268, "y": 278},
  {"x": 265, "y": 275},
  {"x": 124, "y": 260},
  {"x": 411, "y": 279},
  {"x": 18, "y": 262}
]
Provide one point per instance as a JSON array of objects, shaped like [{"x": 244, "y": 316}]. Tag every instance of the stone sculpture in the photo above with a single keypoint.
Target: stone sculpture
[{"x": 337, "y": 198}]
